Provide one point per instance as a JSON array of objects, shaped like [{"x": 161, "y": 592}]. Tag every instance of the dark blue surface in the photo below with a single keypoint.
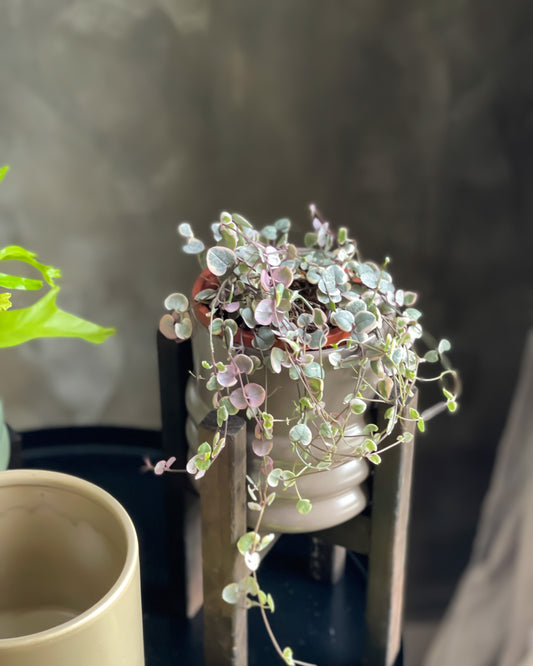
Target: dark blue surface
[{"x": 322, "y": 623}]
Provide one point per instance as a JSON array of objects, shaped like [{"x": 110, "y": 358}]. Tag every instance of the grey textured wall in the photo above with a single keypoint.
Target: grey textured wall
[{"x": 409, "y": 122}]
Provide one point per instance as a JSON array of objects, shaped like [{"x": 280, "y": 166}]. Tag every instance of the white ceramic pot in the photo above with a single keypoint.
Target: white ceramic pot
[
  {"x": 336, "y": 494},
  {"x": 69, "y": 574}
]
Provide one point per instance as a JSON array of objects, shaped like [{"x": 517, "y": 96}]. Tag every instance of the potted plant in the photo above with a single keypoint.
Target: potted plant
[
  {"x": 42, "y": 319},
  {"x": 306, "y": 342}
]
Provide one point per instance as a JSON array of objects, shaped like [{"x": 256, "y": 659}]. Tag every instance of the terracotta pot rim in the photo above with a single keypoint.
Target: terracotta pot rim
[{"x": 207, "y": 280}]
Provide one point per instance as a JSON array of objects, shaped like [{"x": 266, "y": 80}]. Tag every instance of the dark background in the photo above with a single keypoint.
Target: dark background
[{"x": 411, "y": 123}]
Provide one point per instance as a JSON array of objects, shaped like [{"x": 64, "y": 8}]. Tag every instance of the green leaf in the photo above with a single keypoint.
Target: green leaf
[
  {"x": 358, "y": 406},
  {"x": 204, "y": 448},
  {"x": 431, "y": 356},
  {"x": 273, "y": 477},
  {"x": 413, "y": 313},
  {"x": 277, "y": 356},
  {"x": 241, "y": 221},
  {"x": 287, "y": 656},
  {"x": 370, "y": 445},
  {"x": 326, "y": 430},
  {"x": 270, "y": 603},
  {"x": 421, "y": 425},
  {"x": 3, "y": 172},
  {"x": 222, "y": 415},
  {"x": 183, "y": 329},
  {"x": 231, "y": 593},
  {"x": 269, "y": 232},
  {"x": 451, "y": 405},
  {"x": 247, "y": 542},
  {"x": 178, "y": 302},
  {"x": 375, "y": 458},
  {"x": 45, "y": 320},
  {"x": 314, "y": 369},
  {"x": 444, "y": 346},
  {"x": 22, "y": 283},
  {"x": 343, "y": 319},
  {"x": 17, "y": 253},
  {"x": 283, "y": 225},
  {"x": 301, "y": 434},
  {"x": 365, "y": 321},
  {"x": 310, "y": 239},
  {"x": 194, "y": 246},
  {"x": 205, "y": 295},
  {"x": 368, "y": 275},
  {"x": 304, "y": 506},
  {"x": 370, "y": 428},
  {"x": 220, "y": 259},
  {"x": 265, "y": 541},
  {"x": 264, "y": 338}
]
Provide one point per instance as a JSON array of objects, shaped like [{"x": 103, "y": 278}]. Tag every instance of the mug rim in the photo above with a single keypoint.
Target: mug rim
[{"x": 96, "y": 494}]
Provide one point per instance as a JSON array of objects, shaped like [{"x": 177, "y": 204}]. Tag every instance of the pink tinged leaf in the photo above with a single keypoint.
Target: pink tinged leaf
[
  {"x": 160, "y": 467},
  {"x": 231, "y": 307},
  {"x": 266, "y": 280},
  {"x": 262, "y": 447},
  {"x": 191, "y": 466},
  {"x": 166, "y": 326},
  {"x": 255, "y": 395},
  {"x": 243, "y": 363},
  {"x": 267, "y": 466},
  {"x": 316, "y": 223},
  {"x": 237, "y": 399},
  {"x": 170, "y": 462},
  {"x": 272, "y": 256},
  {"x": 227, "y": 377},
  {"x": 258, "y": 430},
  {"x": 282, "y": 275},
  {"x": 264, "y": 312}
]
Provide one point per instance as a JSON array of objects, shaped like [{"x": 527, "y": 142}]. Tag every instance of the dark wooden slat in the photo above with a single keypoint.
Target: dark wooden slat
[
  {"x": 223, "y": 499},
  {"x": 391, "y": 495},
  {"x": 183, "y": 503}
]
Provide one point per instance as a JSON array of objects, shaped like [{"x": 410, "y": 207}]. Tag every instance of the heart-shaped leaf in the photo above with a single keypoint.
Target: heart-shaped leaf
[
  {"x": 243, "y": 363},
  {"x": 178, "y": 302},
  {"x": 183, "y": 328},
  {"x": 262, "y": 447},
  {"x": 220, "y": 260},
  {"x": 255, "y": 395},
  {"x": 264, "y": 311},
  {"x": 365, "y": 322},
  {"x": 301, "y": 434},
  {"x": 166, "y": 326},
  {"x": 343, "y": 319},
  {"x": 194, "y": 246},
  {"x": 227, "y": 377}
]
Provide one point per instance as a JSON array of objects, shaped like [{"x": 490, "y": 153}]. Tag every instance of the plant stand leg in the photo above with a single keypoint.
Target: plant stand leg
[
  {"x": 327, "y": 561},
  {"x": 182, "y": 501},
  {"x": 388, "y": 554},
  {"x": 223, "y": 501}
]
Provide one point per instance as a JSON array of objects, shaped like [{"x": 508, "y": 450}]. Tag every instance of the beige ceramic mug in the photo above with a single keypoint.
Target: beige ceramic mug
[{"x": 69, "y": 574}]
